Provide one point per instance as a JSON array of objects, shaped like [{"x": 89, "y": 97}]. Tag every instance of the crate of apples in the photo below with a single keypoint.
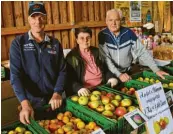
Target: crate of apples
[
  {"x": 66, "y": 123},
  {"x": 17, "y": 130},
  {"x": 109, "y": 104}
]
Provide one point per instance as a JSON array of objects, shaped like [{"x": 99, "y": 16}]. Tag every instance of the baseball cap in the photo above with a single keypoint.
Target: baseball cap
[{"x": 36, "y": 8}]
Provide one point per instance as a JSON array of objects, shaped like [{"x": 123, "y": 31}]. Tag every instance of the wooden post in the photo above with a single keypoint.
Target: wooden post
[
  {"x": 63, "y": 17},
  {"x": 8, "y": 22},
  {"x": 102, "y": 10},
  {"x": 84, "y": 11},
  {"x": 56, "y": 18},
  {"x": 4, "y": 49},
  {"x": 18, "y": 13},
  {"x": 72, "y": 22},
  {"x": 25, "y": 12},
  {"x": 49, "y": 16},
  {"x": 161, "y": 10},
  {"x": 77, "y": 11}
]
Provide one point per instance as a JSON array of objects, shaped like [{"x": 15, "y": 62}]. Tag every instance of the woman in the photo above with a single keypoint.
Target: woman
[{"x": 85, "y": 66}]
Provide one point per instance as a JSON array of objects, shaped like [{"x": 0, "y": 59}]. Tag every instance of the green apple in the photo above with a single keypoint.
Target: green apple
[
  {"x": 118, "y": 97},
  {"x": 28, "y": 132},
  {"x": 170, "y": 84},
  {"x": 107, "y": 113},
  {"x": 93, "y": 104},
  {"x": 20, "y": 129},
  {"x": 165, "y": 85},
  {"x": 126, "y": 102},
  {"x": 157, "y": 81},
  {"x": 75, "y": 98},
  {"x": 100, "y": 108},
  {"x": 83, "y": 100},
  {"x": 109, "y": 107},
  {"x": 95, "y": 97},
  {"x": 115, "y": 103},
  {"x": 147, "y": 79},
  {"x": 152, "y": 81},
  {"x": 131, "y": 108},
  {"x": 12, "y": 132},
  {"x": 140, "y": 79},
  {"x": 96, "y": 92}
]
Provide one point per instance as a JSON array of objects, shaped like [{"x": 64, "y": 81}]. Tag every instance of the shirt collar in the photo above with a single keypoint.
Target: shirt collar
[{"x": 46, "y": 37}]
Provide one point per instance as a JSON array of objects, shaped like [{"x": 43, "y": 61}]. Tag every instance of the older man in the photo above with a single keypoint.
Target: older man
[
  {"x": 120, "y": 46},
  {"x": 37, "y": 66}
]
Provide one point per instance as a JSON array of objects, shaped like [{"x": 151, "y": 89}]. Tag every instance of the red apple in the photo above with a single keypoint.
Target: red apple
[
  {"x": 120, "y": 111},
  {"x": 162, "y": 123},
  {"x": 110, "y": 95},
  {"x": 124, "y": 89},
  {"x": 132, "y": 90}
]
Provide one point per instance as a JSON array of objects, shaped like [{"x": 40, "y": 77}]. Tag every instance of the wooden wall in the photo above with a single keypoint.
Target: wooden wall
[{"x": 62, "y": 18}]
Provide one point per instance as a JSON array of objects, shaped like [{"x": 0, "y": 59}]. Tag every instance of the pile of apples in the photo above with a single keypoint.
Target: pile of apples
[
  {"x": 19, "y": 130},
  {"x": 160, "y": 125},
  {"x": 111, "y": 105},
  {"x": 152, "y": 81},
  {"x": 130, "y": 91},
  {"x": 65, "y": 123}
]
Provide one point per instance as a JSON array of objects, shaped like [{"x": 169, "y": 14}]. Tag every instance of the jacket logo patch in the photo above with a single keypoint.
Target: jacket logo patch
[
  {"x": 51, "y": 52},
  {"x": 29, "y": 47}
]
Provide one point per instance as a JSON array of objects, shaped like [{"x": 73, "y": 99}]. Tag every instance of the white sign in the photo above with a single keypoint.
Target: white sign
[
  {"x": 135, "y": 11},
  {"x": 136, "y": 118},
  {"x": 98, "y": 131},
  {"x": 153, "y": 104}
]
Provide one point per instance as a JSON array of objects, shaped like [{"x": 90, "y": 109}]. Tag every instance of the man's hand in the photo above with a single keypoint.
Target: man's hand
[
  {"x": 161, "y": 74},
  {"x": 26, "y": 112},
  {"x": 55, "y": 101},
  {"x": 113, "y": 82},
  {"x": 83, "y": 92},
  {"x": 124, "y": 77}
]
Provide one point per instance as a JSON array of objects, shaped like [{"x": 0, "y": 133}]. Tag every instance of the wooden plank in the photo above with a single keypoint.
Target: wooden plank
[
  {"x": 111, "y": 4},
  {"x": 84, "y": 11},
  {"x": 102, "y": 11},
  {"x": 63, "y": 18},
  {"x": 93, "y": 41},
  {"x": 72, "y": 22},
  {"x": 4, "y": 55},
  {"x": 18, "y": 17},
  {"x": 91, "y": 10},
  {"x": 107, "y": 5},
  {"x": 96, "y": 11},
  {"x": 77, "y": 11},
  {"x": 56, "y": 18},
  {"x": 49, "y": 14},
  {"x": 25, "y": 12},
  {"x": 97, "y": 30},
  {"x": 51, "y": 27}
]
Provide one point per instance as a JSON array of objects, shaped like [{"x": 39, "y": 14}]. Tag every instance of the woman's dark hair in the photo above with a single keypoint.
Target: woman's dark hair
[{"x": 83, "y": 30}]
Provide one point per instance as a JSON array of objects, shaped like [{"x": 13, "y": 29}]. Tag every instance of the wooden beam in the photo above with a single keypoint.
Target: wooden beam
[{"x": 51, "y": 27}]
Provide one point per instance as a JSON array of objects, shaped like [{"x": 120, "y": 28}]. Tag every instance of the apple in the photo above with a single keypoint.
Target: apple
[
  {"x": 100, "y": 108},
  {"x": 68, "y": 114},
  {"x": 162, "y": 123},
  {"x": 118, "y": 97},
  {"x": 156, "y": 127},
  {"x": 80, "y": 125},
  {"x": 129, "y": 92},
  {"x": 115, "y": 103},
  {"x": 96, "y": 127},
  {"x": 12, "y": 132},
  {"x": 67, "y": 128},
  {"x": 120, "y": 111},
  {"x": 124, "y": 89},
  {"x": 166, "y": 119},
  {"x": 137, "y": 119},
  {"x": 53, "y": 127},
  {"x": 77, "y": 120},
  {"x": 60, "y": 131},
  {"x": 110, "y": 95},
  {"x": 93, "y": 104},
  {"x": 92, "y": 125},
  {"x": 126, "y": 102},
  {"x": 28, "y": 132},
  {"x": 95, "y": 97},
  {"x": 132, "y": 90},
  {"x": 109, "y": 107},
  {"x": 131, "y": 108},
  {"x": 96, "y": 92},
  {"x": 83, "y": 131},
  {"x": 105, "y": 99},
  {"x": 165, "y": 85},
  {"x": 107, "y": 113},
  {"x": 20, "y": 129},
  {"x": 60, "y": 116},
  {"x": 75, "y": 98},
  {"x": 83, "y": 100},
  {"x": 60, "y": 123},
  {"x": 147, "y": 79},
  {"x": 103, "y": 93},
  {"x": 152, "y": 81},
  {"x": 53, "y": 121},
  {"x": 170, "y": 84},
  {"x": 65, "y": 119}
]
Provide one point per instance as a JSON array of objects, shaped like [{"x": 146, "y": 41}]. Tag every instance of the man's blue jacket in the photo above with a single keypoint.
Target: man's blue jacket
[{"x": 36, "y": 70}]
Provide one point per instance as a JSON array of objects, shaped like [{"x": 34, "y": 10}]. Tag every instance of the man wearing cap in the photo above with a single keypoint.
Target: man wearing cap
[
  {"x": 120, "y": 46},
  {"x": 37, "y": 66}
]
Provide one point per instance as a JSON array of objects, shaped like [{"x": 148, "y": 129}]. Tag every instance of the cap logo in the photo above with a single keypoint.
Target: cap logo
[{"x": 36, "y": 7}]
